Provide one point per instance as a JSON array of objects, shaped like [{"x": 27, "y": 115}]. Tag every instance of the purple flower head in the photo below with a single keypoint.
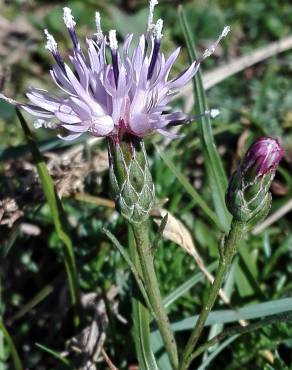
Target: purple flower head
[
  {"x": 109, "y": 93},
  {"x": 264, "y": 156},
  {"x": 248, "y": 198}
]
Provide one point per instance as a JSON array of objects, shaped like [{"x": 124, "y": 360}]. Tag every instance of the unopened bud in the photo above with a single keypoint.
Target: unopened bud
[
  {"x": 130, "y": 178},
  {"x": 248, "y": 198}
]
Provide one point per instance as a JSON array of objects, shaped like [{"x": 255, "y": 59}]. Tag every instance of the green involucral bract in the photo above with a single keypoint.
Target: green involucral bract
[
  {"x": 130, "y": 178},
  {"x": 248, "y": 198}
]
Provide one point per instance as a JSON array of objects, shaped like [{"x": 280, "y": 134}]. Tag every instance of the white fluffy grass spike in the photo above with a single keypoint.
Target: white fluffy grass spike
[{"x": 213, "y": 47}]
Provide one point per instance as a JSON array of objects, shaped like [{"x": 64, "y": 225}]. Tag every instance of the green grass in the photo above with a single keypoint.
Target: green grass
[{"x": 35, "y": 296}]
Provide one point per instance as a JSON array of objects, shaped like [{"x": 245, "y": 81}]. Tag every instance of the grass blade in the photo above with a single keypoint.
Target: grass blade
[
  {"x": 189, "y": 188},
  {"x": 15, "y": 357},
  {"x": 250, "y": 312},
  {"x": 156, "y": 339},
  {"x": 55, "y": 354},
  {"x": 34, "y": 301},
  {"x": 215, "y": 171},
  {"x": 271, "y": 320},
  {"x": 186, "y": 286},
  {"x": 57, "y": 213},
  {"x": 131, "y": 265},
  {"x": 217, "y": 351}
]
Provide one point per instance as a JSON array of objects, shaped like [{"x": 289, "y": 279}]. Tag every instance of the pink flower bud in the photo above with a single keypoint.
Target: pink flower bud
[
  {"x": 265, "y": 154},
  {"x": 248, "y": 198}
]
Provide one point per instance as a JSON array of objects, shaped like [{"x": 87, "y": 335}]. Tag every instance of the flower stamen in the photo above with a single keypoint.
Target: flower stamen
[
  {"x": 157, "y": 33},
  {"x": 211, "y": 49},
  {"x": 212, "y": 113},
  {"x": 113, "y": 42},
  {"x": 150, "y": 24},
  {"x": 53, "y": 47},
  {"x": 99, "y": 33},
  {"x": 70, "y": 24}
]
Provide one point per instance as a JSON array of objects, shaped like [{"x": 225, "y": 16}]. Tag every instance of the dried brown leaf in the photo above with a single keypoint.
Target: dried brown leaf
[{"x": 176, "y": 231}]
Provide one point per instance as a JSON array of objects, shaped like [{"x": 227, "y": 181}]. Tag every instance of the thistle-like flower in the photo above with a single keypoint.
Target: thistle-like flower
[
  {"x": 248, "y": 197},
  {"x": 105, "y": 96}
]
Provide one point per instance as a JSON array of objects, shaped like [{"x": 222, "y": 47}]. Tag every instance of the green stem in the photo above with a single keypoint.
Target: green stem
[
  {"x": 226, "y": 256},
  {"x": 141, "y": 234},
  {"x": 141, "y": 319}
]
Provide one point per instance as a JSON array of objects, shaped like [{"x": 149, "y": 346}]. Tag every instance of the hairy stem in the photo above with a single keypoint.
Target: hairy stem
[
  {"x": 226, "y": 256},
  {"x": 141, "y": 234},
  {"x": 141, "y": 319}
]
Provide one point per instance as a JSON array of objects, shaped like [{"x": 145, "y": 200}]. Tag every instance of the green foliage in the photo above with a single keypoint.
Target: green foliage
[{"x": 35, "y": 303}]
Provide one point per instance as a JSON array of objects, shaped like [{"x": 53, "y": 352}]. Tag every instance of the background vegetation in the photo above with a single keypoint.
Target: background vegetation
[{"x": 34, "y": 296}]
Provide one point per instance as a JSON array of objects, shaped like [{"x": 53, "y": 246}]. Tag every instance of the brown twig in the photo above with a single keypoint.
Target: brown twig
[{"x": 108, "y": 360}]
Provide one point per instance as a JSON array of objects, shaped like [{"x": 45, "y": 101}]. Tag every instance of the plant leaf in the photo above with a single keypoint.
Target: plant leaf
[
  {"x": 217, "y": 351},
  {"x": 186, "y": 286},
  {"x": 55, "y": 354},
  {"x": 57, "y": 213},
  {"x": 215, "y": 171},
  {"x": 131, "y": 265},
  {"x": 189, "y": 188},
  {"x": 14, "y": 354},
  {"x": 175, "y": 231},
  {"x": 160, "y": 232},
  {"x": 246, "y": 313}
]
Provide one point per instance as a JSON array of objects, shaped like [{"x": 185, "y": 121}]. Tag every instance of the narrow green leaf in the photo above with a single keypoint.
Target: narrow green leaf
[
  {"x": 160, "y": 353},
  {"x": 156, "y": 339},
  {"x": 228, "y": 289},
  {"x": 266, "y": 309},
  {"x": 186, "y": 286},
  {"x": 217, "y": 351},
  {"x": 141, "y": 320},
  {"x": 239, "y": 330},
  {"x": 15, "y": 357},
  {"x": 55, "y": 354},
  {"x": 36, "y": 299},
  {"x": 44, "y": 145},
  {"x": 57, "y": 213},
  {"x": 246, "y": 274},
  {"x": 216, "y": 175},
  {"x": 250, "y": 312},
  {"x": 189, "y": 188},
  {"x": 131, "y": 265},
  {"x": 159, "y": 233}
]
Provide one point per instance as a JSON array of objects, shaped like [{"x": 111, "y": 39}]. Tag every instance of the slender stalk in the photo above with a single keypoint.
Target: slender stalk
[
  {"x": 141, "y": 234},
  {"x": 14, "y": 354},
  {"x": 141, "y": 319},
  {"x": 226, "y": 256}
]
